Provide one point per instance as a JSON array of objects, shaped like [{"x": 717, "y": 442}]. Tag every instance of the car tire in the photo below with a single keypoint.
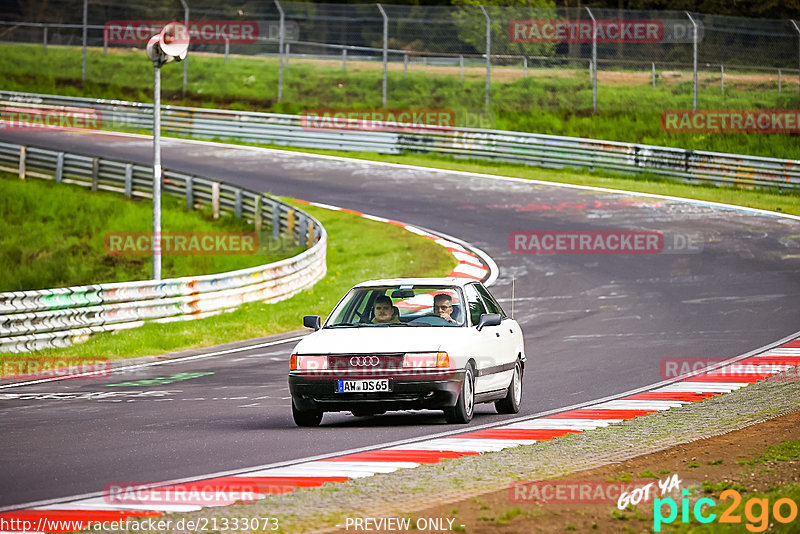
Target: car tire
[
  {"x": 461, "y": 413},
  {"x": 306, "y": 417},
  {"x": 511, "y": 402}
]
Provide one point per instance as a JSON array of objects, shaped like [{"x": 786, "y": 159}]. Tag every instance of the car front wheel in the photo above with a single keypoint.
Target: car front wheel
[
  {"x": 306, "y": 417},
  {"x": 511, "y": 402},
  {"x": 462, "y": 411}
]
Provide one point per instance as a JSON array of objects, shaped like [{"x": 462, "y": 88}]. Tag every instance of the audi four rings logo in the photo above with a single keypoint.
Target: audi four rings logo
[{"x": 364, "y": 361}]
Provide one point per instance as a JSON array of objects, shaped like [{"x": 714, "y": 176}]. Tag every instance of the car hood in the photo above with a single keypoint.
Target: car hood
[{"x": 382, "y": 339}]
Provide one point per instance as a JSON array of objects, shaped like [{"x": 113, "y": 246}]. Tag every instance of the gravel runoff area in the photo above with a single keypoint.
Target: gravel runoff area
[{"x": 400, "y": 493}]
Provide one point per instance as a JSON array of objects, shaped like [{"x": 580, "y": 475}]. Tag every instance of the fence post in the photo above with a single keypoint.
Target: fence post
[
  {"x": 288, "y": 53},
  {"x": 60, "y": 167},
  {"x": 694, "y": 61},
  {"x": 290, "y": 225},
  {"x": 186, "y": 59},
  {"x": 44, "y": 39},
  {"x": 524, "y": 66},
  {"x": 779, "y": 80},
  {"x": 227, "y": 49},
  {"x": 129, "y": 180},
  {"x": 302, "y": 230},
  {"x": 22, "y": 152},
  {"x": 276, "y": 221},
  {"x": 344, "y": 60},
  {"x": 405, "y": 65},
  {"x": 796, "y": 27},
  {"x": 85, "y": 37},
  {"x": 722, "y": 78},
  {"x": 594, "y": 60},
  {"x": 385, "y": 51},
  {"x": 190, "y": 193},
  {"x": 95, "y": 173},
  {"x": 461, "y": 68},
  {"x": 280, "y": 51},
  {"x": 488, "y": 55},
  {"x": 105, "y": 44},
  {"x": 215, "y": 199}
]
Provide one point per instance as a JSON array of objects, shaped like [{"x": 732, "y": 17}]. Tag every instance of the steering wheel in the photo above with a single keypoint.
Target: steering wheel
[{"x": 433, "y": 320}]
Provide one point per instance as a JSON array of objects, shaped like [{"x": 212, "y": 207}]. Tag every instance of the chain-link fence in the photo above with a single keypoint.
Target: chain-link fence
[{"x": 488, "y": 59}]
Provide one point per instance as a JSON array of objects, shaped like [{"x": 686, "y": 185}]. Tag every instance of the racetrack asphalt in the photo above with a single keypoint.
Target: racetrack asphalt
[{"x": 595, "y": 324}]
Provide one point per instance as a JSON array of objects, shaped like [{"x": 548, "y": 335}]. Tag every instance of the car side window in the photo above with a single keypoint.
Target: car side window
[
  {"x": 476, "y": 307},
  {"x": 491, "y": 302}
]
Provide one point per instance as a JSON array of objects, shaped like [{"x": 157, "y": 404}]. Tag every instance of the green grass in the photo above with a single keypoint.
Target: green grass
[
  {"x": 786, "y": 451},
  {"x": 358, "y": 249},
  {"x": 542, "y": 103},
  {"x": 54, "y": 236}
]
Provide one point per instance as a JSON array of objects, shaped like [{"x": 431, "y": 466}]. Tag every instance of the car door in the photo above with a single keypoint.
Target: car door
[{"x": 493, "y": 344}]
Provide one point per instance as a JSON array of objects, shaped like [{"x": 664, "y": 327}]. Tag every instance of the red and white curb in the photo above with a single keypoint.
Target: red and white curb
[
  {"x": 142, "y": 502},
  {"x": 470, "y": 265}
]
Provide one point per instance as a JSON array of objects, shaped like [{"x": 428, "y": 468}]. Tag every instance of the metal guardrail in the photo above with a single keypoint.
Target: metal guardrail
[
  {"x": 31, "y": 320},
  {"x": 691, "y": 166}
]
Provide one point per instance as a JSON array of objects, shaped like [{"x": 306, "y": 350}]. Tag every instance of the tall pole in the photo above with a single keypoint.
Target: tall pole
[
  {"x": 385, "y": 52},
  {"x": 594, "y": 60},
  {"x": 156, "y": 170},
  {"x": 694, "y": 60},
  {"x": 185, "y": 61},
  {"x": 280, "y": 52},
  {"x": 85, "y": 37},
  {"x": 488, "y": 56}
]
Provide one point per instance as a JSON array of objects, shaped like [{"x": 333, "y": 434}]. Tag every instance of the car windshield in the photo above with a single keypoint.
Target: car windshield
[{"x": 401, "y": 306}]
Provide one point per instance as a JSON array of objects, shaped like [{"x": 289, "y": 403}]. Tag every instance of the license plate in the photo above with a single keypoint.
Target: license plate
[{"x": 363, "y": 386}]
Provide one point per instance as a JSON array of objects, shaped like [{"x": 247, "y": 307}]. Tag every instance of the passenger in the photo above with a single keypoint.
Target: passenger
[
  {"x": 443, "y": 307},
  {"x": 384, "y": 312}
]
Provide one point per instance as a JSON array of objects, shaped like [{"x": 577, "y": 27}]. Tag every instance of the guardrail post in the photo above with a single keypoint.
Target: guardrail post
[
  {"x": 190, "y": 193},
  {"x": 59, "y": 167},
  {"x": 290, "y": 224},
  {"x": 22, "y": 152},
  {"x": 237, "y": 207},
  {"x": 488, "y": 55},
  {"x": 310, "y": 235},
  {"x": 257, "y": 214},
  {"x": 129, "y": 180},
  {"x": 385, "y": 52},
  {"x": 276, "y": 221},
  {"x": 302, "y": 234},
  {"x": 215, "y": 199},
  {"x": 95, "y": 173}
]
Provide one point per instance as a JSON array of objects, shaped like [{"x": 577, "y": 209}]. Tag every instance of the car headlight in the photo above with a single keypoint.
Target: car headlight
[
  {"x": 307, "y": 363},
  {"x": 426, "y": 360}
]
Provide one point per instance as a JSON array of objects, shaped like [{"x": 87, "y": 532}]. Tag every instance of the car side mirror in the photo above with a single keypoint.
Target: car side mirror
[
  {"x": 489, "y": 319},
  {"x": 313, "y": 321}
]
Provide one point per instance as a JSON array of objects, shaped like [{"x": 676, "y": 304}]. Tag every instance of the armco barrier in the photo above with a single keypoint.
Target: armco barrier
[
  {"x": 532, "y": 149},
  {"x": 31, "y": 320}
]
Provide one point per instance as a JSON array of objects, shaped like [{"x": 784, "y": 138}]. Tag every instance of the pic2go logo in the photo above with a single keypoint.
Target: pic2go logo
[{"x": 756, "y": 511}]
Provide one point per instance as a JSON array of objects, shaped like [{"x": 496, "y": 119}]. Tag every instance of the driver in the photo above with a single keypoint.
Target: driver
[
  {"x": 384, "y": 311},
  {"x": 443, "y": 307}
]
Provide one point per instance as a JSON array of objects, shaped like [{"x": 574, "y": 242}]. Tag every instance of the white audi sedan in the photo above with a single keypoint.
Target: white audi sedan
[{"x": 409, "y": 343}]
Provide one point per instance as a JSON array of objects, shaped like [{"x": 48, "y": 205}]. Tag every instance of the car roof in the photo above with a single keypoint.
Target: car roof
[{"x": 447, "y": 281}]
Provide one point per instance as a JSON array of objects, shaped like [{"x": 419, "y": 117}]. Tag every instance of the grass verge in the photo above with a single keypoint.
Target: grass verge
[
  {"x": 358, "y": 249},
  {"x": 54, "y": 236},
  {"x": 552, "y": 101}
]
